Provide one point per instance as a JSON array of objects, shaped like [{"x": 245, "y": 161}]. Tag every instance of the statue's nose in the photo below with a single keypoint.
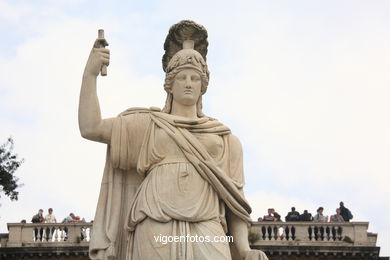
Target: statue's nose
[{"x": 188, "y": 82}]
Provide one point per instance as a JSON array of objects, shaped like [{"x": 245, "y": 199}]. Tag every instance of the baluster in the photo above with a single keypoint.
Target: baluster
[
  {"x": 293, "y": 233},
  {"x": 52, "y": 231},
  {"x": 86, "y": 231},
  {"x": 327, "y": 230},
  {"x": 316, "y": 236},
  {"x": 340, "y": 233},
  {"x": 281, "y": 230},
  {"x": 89, "y": 233},
  {"x": 62, "y": 235},
  {"x": 40, "y": 234},
  {"x": 287, "y": 231},
  {"x": 322, "y": 232},
  {"x": 269, "y": 229},
  {"x": 264, "y": 232},
  {"x": 66, "y": 233},
  {"x": 310, "y": 231},
  {"x": 275, "y": 229},
  {"x": 55, "y": 233},
  {"x": 49, "y": 234},
  {"x": 83, "y": 234},
  {"x": 44, "y": 235},
  {"x": 334, "y": 233}
]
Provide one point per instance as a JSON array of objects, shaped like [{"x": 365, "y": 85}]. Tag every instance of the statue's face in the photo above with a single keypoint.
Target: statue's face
[{"x": 186, "y": 87}]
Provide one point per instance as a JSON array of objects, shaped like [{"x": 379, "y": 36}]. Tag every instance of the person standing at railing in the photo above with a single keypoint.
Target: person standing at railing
[
  {"x": 270, "y": 216},
  {"x": 50, "y": 218},
  {"x": 38, "y": 218},
  {"x": 319, "y": 217},
  {"x": 277, "y": 217},
  {"x": 293, "y": 215},
  {"x": 72, "y": 218},
  {"x": 306, "y": 216},
  {"x": 337, "y": 217},
  {"x": 345, "y": 213}
]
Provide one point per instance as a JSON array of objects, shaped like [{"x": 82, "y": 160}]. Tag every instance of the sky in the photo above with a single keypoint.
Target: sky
[{"x": 303, "y": 84}]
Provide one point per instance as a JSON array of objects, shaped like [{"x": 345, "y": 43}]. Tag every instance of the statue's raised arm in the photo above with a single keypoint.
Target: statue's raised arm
[{"x": 91, "y": 124}]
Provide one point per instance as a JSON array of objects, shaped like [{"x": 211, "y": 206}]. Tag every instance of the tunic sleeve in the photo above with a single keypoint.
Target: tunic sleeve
[{"x": 127, "y": 137}]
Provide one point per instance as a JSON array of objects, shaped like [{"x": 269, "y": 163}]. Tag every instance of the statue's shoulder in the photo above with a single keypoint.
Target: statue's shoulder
[
  {"x": 139, "y": 110},
  {"x": 235, "y": 142}
]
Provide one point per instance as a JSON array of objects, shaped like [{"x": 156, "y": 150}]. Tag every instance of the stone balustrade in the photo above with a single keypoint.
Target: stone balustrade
[
  {"x": 279, "y": 240},
  {"x": 45, "y": 234},
  {"x": 311, "y": 233},
  {"x": 261, "y": 233}
]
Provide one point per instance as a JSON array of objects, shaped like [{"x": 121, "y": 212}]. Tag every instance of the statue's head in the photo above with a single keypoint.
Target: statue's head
[{"x": 185, "y": 56}]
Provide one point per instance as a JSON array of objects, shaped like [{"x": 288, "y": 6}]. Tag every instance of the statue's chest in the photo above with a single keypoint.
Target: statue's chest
[{"x": 165, "y": 145}]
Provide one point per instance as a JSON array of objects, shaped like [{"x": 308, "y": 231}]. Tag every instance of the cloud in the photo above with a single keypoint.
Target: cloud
[
  {"x": 313, "y": 123},
  {"x": 12, "y": 12},
  {"x": 306, "y": 93},
  {"x": 41, "y": 90}
]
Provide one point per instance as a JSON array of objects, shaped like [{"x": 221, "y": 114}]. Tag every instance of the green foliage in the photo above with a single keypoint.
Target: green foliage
[
  {"x": 252, "y": 237},
  {"x": 9, "y": 163},
  {"x": 348, "y": 240}
]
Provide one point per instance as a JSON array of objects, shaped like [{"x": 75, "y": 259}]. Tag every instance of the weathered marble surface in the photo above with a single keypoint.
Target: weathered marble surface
[{"x": 172, "y": 172}]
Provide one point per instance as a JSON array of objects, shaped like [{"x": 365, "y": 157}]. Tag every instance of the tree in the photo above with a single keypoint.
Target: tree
[{"x": 9, "y": 163}]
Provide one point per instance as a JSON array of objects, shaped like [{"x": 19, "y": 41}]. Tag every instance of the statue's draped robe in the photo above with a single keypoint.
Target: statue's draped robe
[{"x": 166, "y": 175}]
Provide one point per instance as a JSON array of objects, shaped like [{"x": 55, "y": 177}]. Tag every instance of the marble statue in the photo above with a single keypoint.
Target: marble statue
[{"x": 169, "y": 172}]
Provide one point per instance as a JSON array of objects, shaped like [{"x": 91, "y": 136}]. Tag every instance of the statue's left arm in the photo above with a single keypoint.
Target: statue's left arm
[
  {"x": 239, "y": 230},
  {"x": 238, "y": 227}
]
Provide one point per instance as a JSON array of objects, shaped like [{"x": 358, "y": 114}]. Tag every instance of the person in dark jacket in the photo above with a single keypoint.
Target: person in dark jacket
[
  {"x": 277, "y": 216},
  {"x": 293, "y": 215},
  {"x": 38, "y": 218},
  {"x": 345, "y": 213},
  {"x": 306, "y": 216}
]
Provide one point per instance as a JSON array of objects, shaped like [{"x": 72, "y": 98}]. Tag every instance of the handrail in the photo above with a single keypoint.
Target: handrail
[{"x": 311, "y": 233}]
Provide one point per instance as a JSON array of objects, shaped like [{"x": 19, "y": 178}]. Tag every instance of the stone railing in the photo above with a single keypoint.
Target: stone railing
[
  {"x": 58, "y": 234},
  {"x": 311, "y": 233},
  {"x": 261, "y": 233}
]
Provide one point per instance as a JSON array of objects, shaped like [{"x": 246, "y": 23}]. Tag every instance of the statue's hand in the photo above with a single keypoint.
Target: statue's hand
[
  {"x": 255, "y": 255},
  {"x": 97, "y": 58}
]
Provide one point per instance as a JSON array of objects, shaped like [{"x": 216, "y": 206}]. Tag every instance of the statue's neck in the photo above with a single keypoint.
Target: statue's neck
[{"x": 183, "y": 110}]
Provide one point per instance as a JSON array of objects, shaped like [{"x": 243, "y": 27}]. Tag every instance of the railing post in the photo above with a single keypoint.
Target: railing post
[
  {"x": 360, "y": 230},
  {"x": 73, "y": 233},
  {"x": 27, "y": 234},
  {"x": 15, "y": 235},
  {"x": 301, "y": 232}
]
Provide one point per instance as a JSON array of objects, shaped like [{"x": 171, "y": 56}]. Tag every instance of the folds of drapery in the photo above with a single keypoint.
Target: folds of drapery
[
  {"x": 206, "y": 167},
  {"x": 109, "y": 238},
  {"x": 119, "y": 184},
  {"x": 130, "y": 133}
]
